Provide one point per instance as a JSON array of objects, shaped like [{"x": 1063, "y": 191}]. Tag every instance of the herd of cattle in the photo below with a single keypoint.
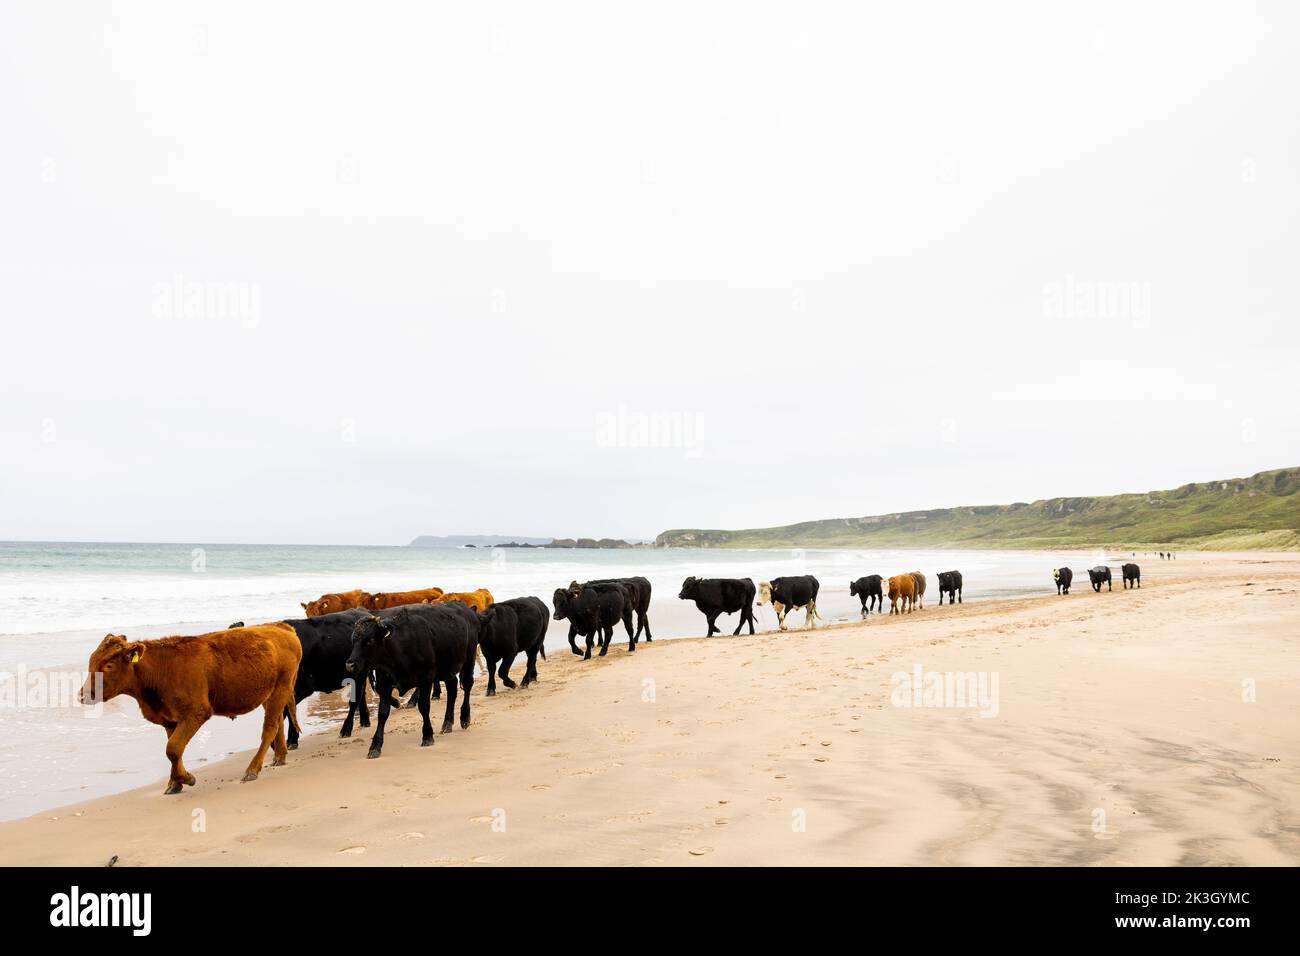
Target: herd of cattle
[{"x": 429, "y": 639}]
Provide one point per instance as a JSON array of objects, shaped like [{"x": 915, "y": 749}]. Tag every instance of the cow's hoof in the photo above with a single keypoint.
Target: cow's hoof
[
  {"x": 292, "y": 745},
  {"x": 447, "y": 727},
  {"x": 491, "y": 692},
  {"x": 373, "y": 753},
  {"x": 249, "y": 777},
  {"x": 173, "y": 787},
  {"x": 345, "y": 731},
  {"x": 426, "y": 742},
  {"x": 464, "y": 724},
  {"x": 509, "y": 683}
]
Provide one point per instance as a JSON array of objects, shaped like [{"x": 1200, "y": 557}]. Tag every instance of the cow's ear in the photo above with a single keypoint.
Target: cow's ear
[
  {"x": 387, "y": 631},
  {"x": 133, "y": 651}
]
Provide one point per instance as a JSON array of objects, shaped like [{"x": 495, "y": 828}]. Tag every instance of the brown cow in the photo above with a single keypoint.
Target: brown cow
[
  {"x": 387, "y": 599},
  {"x": 179, "y": 682},
  {"x": 331, "y": 603},
  {"x": 479, "y": 600},
  {"x": 919, "y": 578},
  {"x": 902, "y": 586}
]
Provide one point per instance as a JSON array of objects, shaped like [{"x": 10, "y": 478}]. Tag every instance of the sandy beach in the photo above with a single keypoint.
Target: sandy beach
[{"x": 1158, "y": 726}]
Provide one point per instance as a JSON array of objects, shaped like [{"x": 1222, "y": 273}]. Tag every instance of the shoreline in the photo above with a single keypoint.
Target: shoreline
[{"x": 700, "y": 751}]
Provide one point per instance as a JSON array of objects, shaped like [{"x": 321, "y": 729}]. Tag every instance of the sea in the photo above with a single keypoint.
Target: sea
[{"x": 58, "y": 600}]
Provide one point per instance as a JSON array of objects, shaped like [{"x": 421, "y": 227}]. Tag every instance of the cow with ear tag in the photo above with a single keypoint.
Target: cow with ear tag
[
  {"x": 414, "y": 646},
  {"x": 180, "y": 682}
]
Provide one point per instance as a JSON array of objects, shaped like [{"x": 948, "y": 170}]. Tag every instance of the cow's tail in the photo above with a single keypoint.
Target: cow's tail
[
  {"x": 291, "y": 709},
  {"x": 543, "y": 650}
]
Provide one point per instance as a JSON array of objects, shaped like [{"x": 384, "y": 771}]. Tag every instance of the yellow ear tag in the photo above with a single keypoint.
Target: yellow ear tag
[{"x": 135, "y": 657}]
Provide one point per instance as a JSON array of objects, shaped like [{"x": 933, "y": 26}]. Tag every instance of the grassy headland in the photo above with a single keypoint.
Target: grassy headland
[{"x": 1261, "y": 512}]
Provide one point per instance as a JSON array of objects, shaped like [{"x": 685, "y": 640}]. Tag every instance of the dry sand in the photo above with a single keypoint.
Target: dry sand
[{"x": 1121, "y": 738}]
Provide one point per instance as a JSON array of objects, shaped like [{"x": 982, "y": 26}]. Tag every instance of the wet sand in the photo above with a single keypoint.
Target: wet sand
[{"x": 1124, "y": 735}]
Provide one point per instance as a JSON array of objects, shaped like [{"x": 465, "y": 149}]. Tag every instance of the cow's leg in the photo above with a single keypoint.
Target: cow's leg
[
  {"x": 505, "y": 670},
  {"x": 280, "y": 746},
  {"x": 176, "y": 740},
  {"x": 530, "y": 671},
  {"x": 422, "y": 693},
  {"x": 645, "y": 620},
  {"x": 467, "y": 684},
  {"x": 385, "y": 689},
  {"x": 293, "y": 731},
  {"x": 812, "y": 615},
  {"x": 749, "y": 616},
  {"x": 958, "y": 595},
  {"x": 491, "y": 675},
  {"x": 272, "y": 727},
  {"x": 590, "y": 636},
  {"x": 607, "y": 635},
  {"x": 573, "y": 630},
  {"x": 363, "y": 705},
  {"x": 780, "y": 614},
  {"x": 354, "y": 690},
  {"x": 451, "y": 704}
]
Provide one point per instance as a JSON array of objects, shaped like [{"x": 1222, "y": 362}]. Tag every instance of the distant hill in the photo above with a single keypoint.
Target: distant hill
[
  {"x": 478, "y": 540},
  {"x": 1260, "y": 512},
  {"x": 506, "y": 541}
]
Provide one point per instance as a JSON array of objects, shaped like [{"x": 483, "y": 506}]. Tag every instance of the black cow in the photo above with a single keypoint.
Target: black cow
[
  {"x": 1062, "y": 577},
  {"x": 510, "y": 628},
  {"x": 715, "y": 596},
  {"x": 1132, "y": 576},
  {"x": 639, "y": 591},
  {"x": 787, "y": 594},
  {"x": 235, "y": 625},
  {"x": 593, "y": 610},
  {"x": 470, "y": 616},
  {"x": 326, "y": 645},
  {"x": 1098, "y": 576},
  {"x": 870, "y": 592},
  {"x": 950, "y": 584},
  {"x": 416, "y": 645}
]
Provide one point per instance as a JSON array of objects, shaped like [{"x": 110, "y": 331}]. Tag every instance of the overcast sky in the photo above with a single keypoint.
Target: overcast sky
[{"x": 351, "y": 273}]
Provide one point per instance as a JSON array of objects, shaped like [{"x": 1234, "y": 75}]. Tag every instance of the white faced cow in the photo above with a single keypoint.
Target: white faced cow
[{"x": 786, "y": 594}]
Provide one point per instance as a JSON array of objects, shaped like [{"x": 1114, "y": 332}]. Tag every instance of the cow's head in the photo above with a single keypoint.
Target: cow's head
[
  {"x": 690, "y": 589},
  {"x": 368, "y": 638},
  {"x": 561, "y": 601},
  {"x": 853, "y": 589},
  {"x": 1056, "y": 575},
  {"x": 764, "y": 593},
  {"x": 115, "y": 658},
  {"x": 894, "y": 590}
]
